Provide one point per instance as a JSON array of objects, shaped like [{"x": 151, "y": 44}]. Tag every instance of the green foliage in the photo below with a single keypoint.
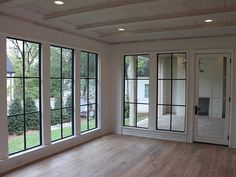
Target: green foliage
[
  {"x": 56, "y": 114},
  {"x": 126, "y": 107},
  {"x": 32, "y": 120},
  {"x": 15, "y": 122},
  {"x": 68, "y": 114}
]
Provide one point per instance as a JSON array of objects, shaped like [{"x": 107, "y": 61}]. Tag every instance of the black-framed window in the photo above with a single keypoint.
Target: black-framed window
[
  {"x": 23, "y": 94},
  {"x": 171, "y": 87},
  {"x": 62, "y": 92},
  {"x": 136, "y": 104},
  {"x": 88, "y": 91}
]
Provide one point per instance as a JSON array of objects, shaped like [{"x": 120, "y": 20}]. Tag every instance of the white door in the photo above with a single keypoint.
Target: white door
[{"x": 212, "y": 98}]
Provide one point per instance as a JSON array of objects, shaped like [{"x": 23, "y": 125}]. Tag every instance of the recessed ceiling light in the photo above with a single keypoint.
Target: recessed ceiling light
[
  {"x": 208, "y": 20},
  {"x": 58, "y": 2},
  {"x": 121, "y": 29}
]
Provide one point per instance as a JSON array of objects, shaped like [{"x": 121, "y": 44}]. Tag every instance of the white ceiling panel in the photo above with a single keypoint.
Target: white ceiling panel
[{"x": 142, "y": 20}]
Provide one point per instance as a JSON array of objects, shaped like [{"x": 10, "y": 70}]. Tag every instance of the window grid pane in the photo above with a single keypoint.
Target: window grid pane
[
  {"x": 136, "y": 91},
  {"x": 23, "y": 95},
  {"x": 171, "y": 87},
  {"x": 88, "y": 91},
  {"x": 62, "y": 93}
]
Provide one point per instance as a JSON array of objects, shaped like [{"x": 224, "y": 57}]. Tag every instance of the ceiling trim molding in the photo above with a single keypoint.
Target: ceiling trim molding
[
  {"x": 168, "y": 29},
  {"x": 50, "y": 27},
  {"x": 158, "y": 17},
  {"x": 96, "y": 7},
  {"x": 12, "y": 3},
  {"x": 174, "y": 39}
]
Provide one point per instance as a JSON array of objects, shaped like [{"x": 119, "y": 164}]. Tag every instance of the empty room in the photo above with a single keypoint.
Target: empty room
[{"x": 118, "y": 88}]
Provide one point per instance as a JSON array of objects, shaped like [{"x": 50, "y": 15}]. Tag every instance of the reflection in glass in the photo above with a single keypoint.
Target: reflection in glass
[
  {"x": 142, "y": 115},
  {"x": 164, "y": 66},
  {"x": 164, "y": 90},
  {"x": 178, "y": 118},
  {"x": 141, "y": 95},
  {"x": 130, "y": 67},
  {"x": 179, "y": 66},
  {"x": 178, "y": 92},
  {"x": 130, "y": 114},
  {"x": 164, "y": 115},
  {"x": 142, "y": 67}
]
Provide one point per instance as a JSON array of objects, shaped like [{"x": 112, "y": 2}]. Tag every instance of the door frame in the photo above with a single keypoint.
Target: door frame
[{"x": 217, "y": 52}]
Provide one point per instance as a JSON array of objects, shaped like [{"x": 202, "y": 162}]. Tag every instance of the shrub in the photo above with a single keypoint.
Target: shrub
[
  {"x": 32, "y": 120},
  {"x": 56, "y": 115},
  {"x": 126, "y": 107},
  {"x": 68, "y": 114},
  {"x": 14, "y": 122}
]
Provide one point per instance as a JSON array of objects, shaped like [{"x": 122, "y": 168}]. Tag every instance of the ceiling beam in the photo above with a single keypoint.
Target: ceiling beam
[
  {"x": 158, "y": 17},
  {"x": 168, "y": 29},
  {"x": 102, "y": 6},
  {"x": 12, "y": 3}
]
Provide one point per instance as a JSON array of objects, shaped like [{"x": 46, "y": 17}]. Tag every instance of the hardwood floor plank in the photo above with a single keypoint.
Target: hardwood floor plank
[{"x": 127, "y": 156}]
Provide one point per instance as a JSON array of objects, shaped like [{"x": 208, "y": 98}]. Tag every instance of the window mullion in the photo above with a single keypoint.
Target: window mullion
[
  {"x": 88, "y": 91},
  {"x": 24, "y": 121},
  {"x": 61, "y": 96}
]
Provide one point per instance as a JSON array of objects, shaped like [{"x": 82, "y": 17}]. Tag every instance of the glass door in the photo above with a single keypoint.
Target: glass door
[{"x": 212, "y": 98}]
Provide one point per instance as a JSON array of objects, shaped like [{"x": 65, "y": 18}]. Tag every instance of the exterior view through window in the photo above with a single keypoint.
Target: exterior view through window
[
  {"x": 62, "y": 92},
  {"x": 23, "y": 95},
  {"x": 171, "y": 84},
  {"x": 136, "y": 91},
  {"x": 88, "y": 91}
]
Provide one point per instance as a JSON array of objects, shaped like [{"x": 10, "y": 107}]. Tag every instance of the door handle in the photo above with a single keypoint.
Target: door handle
[{"x": 197, "y": 109}]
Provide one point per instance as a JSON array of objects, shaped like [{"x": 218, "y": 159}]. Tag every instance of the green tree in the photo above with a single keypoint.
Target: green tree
[
  {"x": 31, "y": 63},
  {"x": 15, "y": 122}
]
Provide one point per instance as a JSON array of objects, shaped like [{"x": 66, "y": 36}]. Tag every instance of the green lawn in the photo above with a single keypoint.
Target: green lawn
[{"x": 32, "y": 139}]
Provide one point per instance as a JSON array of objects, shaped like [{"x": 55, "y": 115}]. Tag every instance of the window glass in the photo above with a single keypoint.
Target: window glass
[{"x": 23, "y": 95}]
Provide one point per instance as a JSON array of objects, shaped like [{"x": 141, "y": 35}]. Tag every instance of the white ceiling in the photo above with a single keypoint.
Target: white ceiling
[{"x": 142, "y": 19}]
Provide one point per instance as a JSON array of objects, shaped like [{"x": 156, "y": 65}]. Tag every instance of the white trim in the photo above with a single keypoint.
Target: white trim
[
  {"x": 213, "y": 52},
  {"x": 77, "y": 92},
  {"x": 3, "y": 100},
  {"x": 152, "y": 91},
  {"x": 163, "y": 135},
  {"x": 45, "y": 86}
]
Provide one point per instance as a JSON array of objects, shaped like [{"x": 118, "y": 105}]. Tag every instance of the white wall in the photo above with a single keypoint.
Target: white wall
[
  {"x": 110, "y": 83},
  {"x": 191, "y": 46},
  {"x": 22, "y": 30}
]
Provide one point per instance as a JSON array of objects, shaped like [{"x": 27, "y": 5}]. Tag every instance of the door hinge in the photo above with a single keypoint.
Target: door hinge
[
  {"x": 229, "y": 99},
  {"x": 230, "y": 60},
  {"x": 228, "y": 137}
]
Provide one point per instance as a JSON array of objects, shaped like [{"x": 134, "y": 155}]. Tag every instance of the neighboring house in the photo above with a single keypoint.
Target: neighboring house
[{"x": 10, "y": 81}]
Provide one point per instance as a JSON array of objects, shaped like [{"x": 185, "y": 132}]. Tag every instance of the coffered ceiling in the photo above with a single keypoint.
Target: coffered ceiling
[{"x": 141, "y": 19}]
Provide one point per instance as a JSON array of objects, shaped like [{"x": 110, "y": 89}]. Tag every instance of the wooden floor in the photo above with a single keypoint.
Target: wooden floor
[{"x": 118, "y": 156}]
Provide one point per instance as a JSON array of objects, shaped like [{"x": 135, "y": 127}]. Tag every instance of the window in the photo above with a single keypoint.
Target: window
[
  {"x": 146, "y": 90},
  {"x": 136, "y": 104},
  {"x": 88, "y": 91},
  {"x": 23, "y": 95},
  {"x": 171, "y": 83},
  {"x": 62, "y": 92}
]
